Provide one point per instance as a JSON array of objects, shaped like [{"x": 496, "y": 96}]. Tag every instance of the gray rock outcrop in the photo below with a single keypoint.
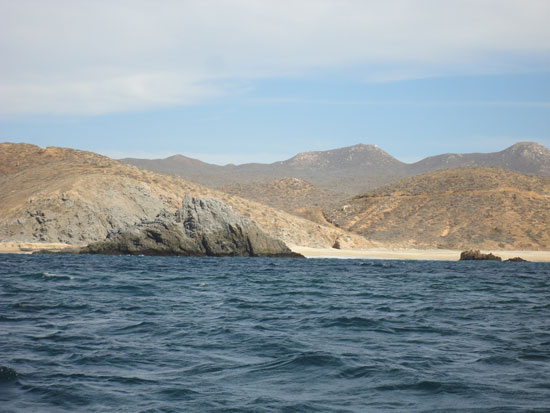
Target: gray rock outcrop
[
  {"x": 516, "y": 259},
  {"x": 201, "y": 227},
  {"x": 476, "y": 255}
]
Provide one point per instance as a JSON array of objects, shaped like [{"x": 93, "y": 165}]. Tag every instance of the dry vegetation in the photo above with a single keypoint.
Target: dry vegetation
[
  {"x": 458, "y": 208},
  {"x": 292, "y": 195}
]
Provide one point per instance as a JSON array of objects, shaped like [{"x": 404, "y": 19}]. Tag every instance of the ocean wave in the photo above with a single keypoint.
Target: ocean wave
[
  {"x": 47, "y": 274},
  {"x": 314, "y": 335},
  {"x": 350, "y": 322},
  {"x": 302, "y": 360},
  {"x": 428, "y": 386}
]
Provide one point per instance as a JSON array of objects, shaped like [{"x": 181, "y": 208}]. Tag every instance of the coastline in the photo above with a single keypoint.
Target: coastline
[
  {"x": 412, "y": 254},
  {"x": 378, "y": 253}
]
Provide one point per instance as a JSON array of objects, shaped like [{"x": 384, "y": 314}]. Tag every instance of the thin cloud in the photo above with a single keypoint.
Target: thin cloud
[{"x": 106, "y": 56}]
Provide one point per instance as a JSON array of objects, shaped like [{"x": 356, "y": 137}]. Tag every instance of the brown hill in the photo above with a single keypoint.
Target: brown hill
[
  {"x": 459, "y": 208},
  {"x": 292, "y": 195},
  {"x": 354, "y": 169},
  {"x": 189, "y": 168},
  {"x": 66, "y": 195}
]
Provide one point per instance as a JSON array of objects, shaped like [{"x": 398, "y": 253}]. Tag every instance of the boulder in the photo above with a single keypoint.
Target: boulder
[
  {"x": 478, "y": 255},
  {"x": 516, "y": 259},
  {"x": 201, "y": 227}
]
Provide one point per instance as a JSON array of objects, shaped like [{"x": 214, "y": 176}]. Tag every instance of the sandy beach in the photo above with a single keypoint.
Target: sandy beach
[
  {"x": 372, "y": 253},
  {"x": 30, "y": 247},
  {"x": 412, "y": 254}
]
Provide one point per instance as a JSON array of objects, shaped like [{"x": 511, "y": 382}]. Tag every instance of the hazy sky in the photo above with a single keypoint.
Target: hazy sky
[{"x": 243, "y": 80}]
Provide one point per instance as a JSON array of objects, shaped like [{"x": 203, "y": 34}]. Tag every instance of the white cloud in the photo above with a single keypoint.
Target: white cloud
[
  {"x": 105, "y": 56},
  {"x": 98, "y": 94}
]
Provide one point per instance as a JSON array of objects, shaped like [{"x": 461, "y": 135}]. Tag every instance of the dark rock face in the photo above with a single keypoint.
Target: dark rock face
[
  {"x": 7, "y": 374},
  {"x": 516, "y": 259},
  {"x": 477, "y": 255},
  {"x": 201, "y": 227}
]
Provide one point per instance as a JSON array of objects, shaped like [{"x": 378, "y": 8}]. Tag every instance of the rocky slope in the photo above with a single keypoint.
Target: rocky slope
[
  {"x": 349, "y": 170},
  {"x": 487, "y": 208},
  {"x": 292, "y": 195},
  {"x": 202, "y": 226},
  {"x": 64, "y": 195}
]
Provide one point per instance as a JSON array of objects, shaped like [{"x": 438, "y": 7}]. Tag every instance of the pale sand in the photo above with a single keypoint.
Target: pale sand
[
  {"x": 412, "y": 254},
  {"x": 374, "y": 253},
  {"x": 30, "y": 247}
]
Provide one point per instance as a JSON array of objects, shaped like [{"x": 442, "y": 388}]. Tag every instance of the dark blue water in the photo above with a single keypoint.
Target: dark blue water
[{"x": 145, "y": 334}]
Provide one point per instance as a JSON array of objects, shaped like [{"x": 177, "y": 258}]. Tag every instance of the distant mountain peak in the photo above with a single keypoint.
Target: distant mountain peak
[
  {"x": 177, "y": 156},
  {"x": 362, "y": 146},
  {"x": 528, "y": 156},
  {"x": 528, "y": 148},
  {"x": 359, "y": 154}
]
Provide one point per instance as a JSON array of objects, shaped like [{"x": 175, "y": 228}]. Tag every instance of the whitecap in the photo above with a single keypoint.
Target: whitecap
[{"x": 53, "y": 275}]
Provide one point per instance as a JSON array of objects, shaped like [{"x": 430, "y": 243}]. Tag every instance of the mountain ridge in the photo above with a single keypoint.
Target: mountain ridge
[{"x": 352, "y": 169}]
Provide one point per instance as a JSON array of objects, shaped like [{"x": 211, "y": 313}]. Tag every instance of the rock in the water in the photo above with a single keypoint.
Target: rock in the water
[
  {"x": 202, "y": 226},
  {"x": 478, "y": 255},
  {"x": 516, "y": 259},
  {"x": 7, "y": 374}
]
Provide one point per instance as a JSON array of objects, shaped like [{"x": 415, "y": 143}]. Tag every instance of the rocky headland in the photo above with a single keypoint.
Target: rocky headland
[
  {"x": 58, "y": 195},
  {"x": 201, "y": 227}
]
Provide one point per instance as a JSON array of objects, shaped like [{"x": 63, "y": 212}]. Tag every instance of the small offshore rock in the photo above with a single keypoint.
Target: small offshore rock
[
  {"x": 7, "y": 374},
  {"x": 475, "y": 255},
  {"x": 516, "y": 259}
]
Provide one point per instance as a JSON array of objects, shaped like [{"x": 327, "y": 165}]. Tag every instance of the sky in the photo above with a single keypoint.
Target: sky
[{"x": 259, "y": 81}]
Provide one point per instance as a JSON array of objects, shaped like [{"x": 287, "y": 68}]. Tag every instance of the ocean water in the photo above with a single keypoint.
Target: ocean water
[{"x": 163, "y": 334}]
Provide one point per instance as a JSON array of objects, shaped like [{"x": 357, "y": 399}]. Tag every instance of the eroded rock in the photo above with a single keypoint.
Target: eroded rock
[
  {"x": 201, "y": 227},
  {"x": 516, "y": 259},
  {"x": 478, "y": 255}
]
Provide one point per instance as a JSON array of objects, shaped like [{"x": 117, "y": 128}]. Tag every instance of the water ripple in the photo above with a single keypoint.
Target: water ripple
[{"x": 161, "y": 334}]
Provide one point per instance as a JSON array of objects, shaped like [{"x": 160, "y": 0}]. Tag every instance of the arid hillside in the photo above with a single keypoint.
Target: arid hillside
[
  {"x": 65, "y": 195},
  {"x": 292, "y": 195},
  {"x": 458, "y": 208}
]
